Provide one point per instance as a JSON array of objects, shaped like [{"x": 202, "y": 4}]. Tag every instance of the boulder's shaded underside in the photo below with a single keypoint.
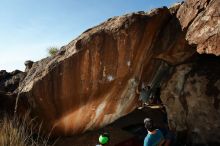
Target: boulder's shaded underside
[
  {"x": 192, "y": 99},
  {"x": 91, "y": 82}
]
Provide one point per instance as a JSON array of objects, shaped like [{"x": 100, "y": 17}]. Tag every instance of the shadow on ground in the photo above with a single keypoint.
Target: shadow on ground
[{"x": 126, "y": 131}]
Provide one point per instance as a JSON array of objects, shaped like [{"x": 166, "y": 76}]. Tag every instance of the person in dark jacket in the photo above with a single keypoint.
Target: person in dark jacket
[{"x": 144, "y": 95}]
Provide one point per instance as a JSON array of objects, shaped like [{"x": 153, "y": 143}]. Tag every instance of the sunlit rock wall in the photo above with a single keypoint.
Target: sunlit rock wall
[{"x": 92, "y": 81}]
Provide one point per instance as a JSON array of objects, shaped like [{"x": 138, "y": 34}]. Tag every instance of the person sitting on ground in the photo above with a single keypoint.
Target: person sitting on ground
[
  {"x": 103, "y": 139},
  {"x": 154, "y": 136},
  {"x": 144, "y": 94}
]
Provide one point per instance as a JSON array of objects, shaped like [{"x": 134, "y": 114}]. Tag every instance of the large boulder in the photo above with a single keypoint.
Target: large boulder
[{"x": 93, "y": 81}]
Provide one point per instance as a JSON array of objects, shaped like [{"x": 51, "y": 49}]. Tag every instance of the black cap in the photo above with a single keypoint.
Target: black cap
[{"x": 148, "y": 123}]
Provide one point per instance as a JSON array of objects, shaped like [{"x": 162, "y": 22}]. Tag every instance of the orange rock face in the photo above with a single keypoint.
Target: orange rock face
[{"x": 91, "y": 82}]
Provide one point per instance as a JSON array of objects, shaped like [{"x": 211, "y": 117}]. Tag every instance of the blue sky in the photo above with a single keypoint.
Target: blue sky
[{"x": 29, "y": 27}]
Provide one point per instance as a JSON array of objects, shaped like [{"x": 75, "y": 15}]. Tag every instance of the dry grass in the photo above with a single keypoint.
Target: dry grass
[{"x": 15, "y": 132}]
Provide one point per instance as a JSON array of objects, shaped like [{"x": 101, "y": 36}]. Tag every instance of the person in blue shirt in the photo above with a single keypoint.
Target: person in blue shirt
[{"x": 154, "y": 136}]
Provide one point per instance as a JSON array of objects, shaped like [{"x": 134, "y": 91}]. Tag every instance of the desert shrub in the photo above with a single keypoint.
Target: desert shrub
[
  {"x": 15, "y": 132},
  {"x": 52, "y": 51}
]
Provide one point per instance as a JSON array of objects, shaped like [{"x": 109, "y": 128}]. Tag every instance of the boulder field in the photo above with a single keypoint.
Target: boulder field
[{"x": 91, "y": 82}]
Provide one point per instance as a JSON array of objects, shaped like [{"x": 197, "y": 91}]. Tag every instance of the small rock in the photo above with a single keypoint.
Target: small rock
[{"x": 28, "y": 65}]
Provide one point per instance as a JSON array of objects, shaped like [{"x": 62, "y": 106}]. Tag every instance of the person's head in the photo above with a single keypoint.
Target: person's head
[
  {"x": 104, "y": 138},
  {"x": 149, "y": 125}
]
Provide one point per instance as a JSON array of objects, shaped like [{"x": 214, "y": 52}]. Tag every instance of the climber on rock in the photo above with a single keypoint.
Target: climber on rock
[
  {"x": 155, "y": 96},
  {"x": 154, "y": 136},
  {"x": 144, "y": 94}
]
